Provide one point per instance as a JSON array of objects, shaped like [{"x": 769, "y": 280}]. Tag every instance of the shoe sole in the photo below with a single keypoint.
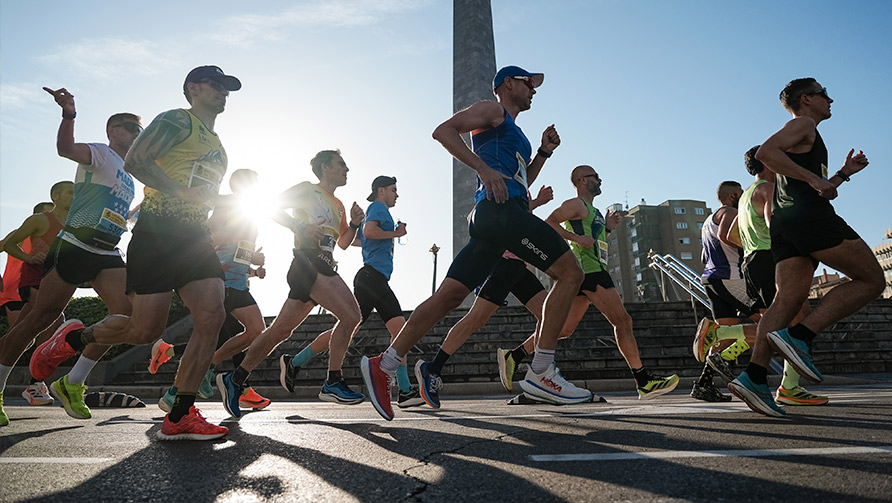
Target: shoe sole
[
  {"x": 503, "y": 369},
  {"x": 332, "y": 398},
  {"x": 699, "y": 339},
  {"x": 221, "y": 385},
  {"x": 797, "y": 401},
  {"x": 536, "y": 393},
  {"x": 419, "y": 377},
  {"x": 727, "y": 377},
  {"x": 156, "y": 355},
  {"x": 66, "y": 403},
  {"x": 188, "y": 436},
  {"x": 412, "y": 402},
  {"x": 659, "y": 392},
  {"x": 30, "y": 399},
  {"x": 253, "y": 406},
  {"x": 366, "y": 371},
  {"x": 791, "y": 355},
  {"x": 753, "y": 401},
  {"x": 164, "y": 406},
  {"x": 283, "y": 373}
]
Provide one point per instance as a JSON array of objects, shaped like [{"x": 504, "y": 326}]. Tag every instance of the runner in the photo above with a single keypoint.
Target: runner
[
  {"x": 319, "y": 222},
  {"x": 370, "y": 287},
  {"x": 586, "y": 229},
  {"x": 181, "y": 161},
  {"x": 805, "y": 230},
  {"x": 501, "y": 220}
]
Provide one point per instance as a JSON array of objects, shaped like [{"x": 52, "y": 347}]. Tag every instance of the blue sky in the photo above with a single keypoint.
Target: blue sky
[{"x": 662, "y": 98}]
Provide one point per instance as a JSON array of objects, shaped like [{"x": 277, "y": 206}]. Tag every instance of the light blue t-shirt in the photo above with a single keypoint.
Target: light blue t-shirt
[{"x": 378, "y": 253}]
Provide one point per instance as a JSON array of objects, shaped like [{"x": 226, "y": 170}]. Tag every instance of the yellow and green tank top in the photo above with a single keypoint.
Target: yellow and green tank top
[
  {"x": 591, "y": 258},
  {"x": 754, "y": 234},
  {"x": 197, "y": 160},
  {"x": 315, "y": 205}
]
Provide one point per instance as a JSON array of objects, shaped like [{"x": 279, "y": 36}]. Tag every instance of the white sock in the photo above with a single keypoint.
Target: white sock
[
  {"x": 4, "y": 374},
  {"x": 81, "y": 368},
  {"x": 390, "y": 361},
  {"x": 541, "y": 360}
]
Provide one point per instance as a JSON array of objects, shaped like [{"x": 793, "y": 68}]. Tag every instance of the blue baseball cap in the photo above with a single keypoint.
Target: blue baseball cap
[{"x": 516, "y": 71}]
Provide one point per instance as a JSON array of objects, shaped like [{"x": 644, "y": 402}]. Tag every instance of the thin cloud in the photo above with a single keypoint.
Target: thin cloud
[
  {"x": 119, "y": 57},
  {"x": 20, "y": 96}
]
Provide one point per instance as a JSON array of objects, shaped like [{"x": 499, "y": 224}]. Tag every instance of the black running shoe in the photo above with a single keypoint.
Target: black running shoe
[
  {"x": 287, "y": 372},
  {"x": 709, "y": 393},
  {"x": 721, "y": 366},
  {"x": 411, "y": 398}
]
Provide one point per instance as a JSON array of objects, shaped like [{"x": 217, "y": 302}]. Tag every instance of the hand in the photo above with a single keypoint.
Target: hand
[
  {"x": 823, "y": 187},
  {"x": 494, "y": 182},
  {"x": 199, "y": 194},
  {"x": 854, "y": 164},
  {"x": 546, "y": 193},
  {"x": 356, "y": 214},
  {"x": 314, "y": 232},
  {"x": 612, "y": 219},
  {"x": 260, "y": 272},
  {"x": 550, "y": 139},
  {"x": 63, "y": 98},
  {"x": 400, "y": 230},
  {"x": 258, "y": 258},
  {"x": 586, "y": 241}
]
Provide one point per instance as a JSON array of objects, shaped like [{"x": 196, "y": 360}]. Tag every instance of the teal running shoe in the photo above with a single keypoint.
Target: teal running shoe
[{"x": 756, "y": 396}]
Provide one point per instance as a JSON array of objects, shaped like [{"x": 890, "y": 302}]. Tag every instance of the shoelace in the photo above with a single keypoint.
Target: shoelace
[{"x": 436, "y": 383}]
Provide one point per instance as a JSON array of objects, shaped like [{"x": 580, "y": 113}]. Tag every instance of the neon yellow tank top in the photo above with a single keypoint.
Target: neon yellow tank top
[
  {"x": 315, "y": 205},
  {"x": 754, "y": 234}
]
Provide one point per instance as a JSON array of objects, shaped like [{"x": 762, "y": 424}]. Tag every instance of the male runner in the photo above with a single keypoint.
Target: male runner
[
  {"x": 181, "y": 161},
  {"x": 370, "y": 287},
  {"x": 234, "y": 233},
  {"x": 805, "y": 230},
  {"x": 586, "y": 229},
  {"x": 502, "y": 157},
  {"x": 510, "y": 275},
  {"x": 319, "y": 222}
]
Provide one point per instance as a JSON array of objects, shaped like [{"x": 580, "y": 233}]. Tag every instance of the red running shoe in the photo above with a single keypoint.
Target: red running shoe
[
  {"x": 378, "y": 383},
  {"x": 159, "y": 355},
  {"x": 250, "y": 399},
  {"x": 193, "y": 426},
  {"x": 49, "y": 355}
]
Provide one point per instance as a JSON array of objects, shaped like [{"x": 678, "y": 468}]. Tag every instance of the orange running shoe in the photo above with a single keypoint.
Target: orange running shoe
[
  {"x": 52, "y": 353},
  {"x": 250, "y": 399},
  {"x": 159, "y": 355},
  {"x": 193, "y": 426}
]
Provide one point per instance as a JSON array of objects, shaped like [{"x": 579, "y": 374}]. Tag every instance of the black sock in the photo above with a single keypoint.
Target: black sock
[
  {"x": 74, "y": 340},
  {"x": 33, "y": 380},
  {"x": 240, "y": 376},
  {"x": 238, "y": 358},
  {"x": 641, "y": 376},
  {"x": 181, "y": 405},
  {"x": 519, "y": 354},
  {"x": 179, "y": 349},
  {"x": 758, "y": 374},
  {"x": 334, "y": 376},
  {"x": 706, "y": 376},
  {"x": 436, "y": 366},
  {"x": 802, "y": 332}
]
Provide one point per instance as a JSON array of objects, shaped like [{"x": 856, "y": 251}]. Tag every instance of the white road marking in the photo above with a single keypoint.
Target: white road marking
[
  {"x": 49, "y": 461},
  {"x": 756, "y": 453}
]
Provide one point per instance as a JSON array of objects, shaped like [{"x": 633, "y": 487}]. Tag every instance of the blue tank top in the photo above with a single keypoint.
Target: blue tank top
[
  {"x": 507, "y": 150},
  {"x": 236, "y": 261},
  {"x": 721, "y": 261}
]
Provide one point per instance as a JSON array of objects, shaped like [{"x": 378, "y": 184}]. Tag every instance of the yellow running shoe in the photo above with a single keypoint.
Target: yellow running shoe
[{"x": 798, "y": 396}]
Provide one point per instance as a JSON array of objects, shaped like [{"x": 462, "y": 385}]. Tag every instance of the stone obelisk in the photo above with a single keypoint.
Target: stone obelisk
[{"x": 473, "y": 67}]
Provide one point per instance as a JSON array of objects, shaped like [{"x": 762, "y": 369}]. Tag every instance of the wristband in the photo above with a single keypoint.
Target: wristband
[
  {"x": 70, "y": 117},
  {"x": 543, "y": 153},
  {"x": 353, "y": 226},
  {"x": 843, "y": 176}
]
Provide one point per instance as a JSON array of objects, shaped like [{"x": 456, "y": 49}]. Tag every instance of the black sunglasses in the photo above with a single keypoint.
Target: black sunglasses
[
  {"x": 131, "y": 127},
  {"x": 822, "y": 92}
]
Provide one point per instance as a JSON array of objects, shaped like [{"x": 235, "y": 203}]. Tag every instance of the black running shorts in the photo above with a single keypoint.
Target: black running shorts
[
  {"x": 77, "y": 266},
  {"x": 810, "y": 237},
  {"x": 373, "y": 291},
  {"x": 237, "y": 299},
  {"x": 158, "y": 263},
  {"x": 758, "y": 271},
  {"x": 728, "y": 298},
  {"x": 593, "y": 280},
  {"x": 510, "y": 276},
  {"x": 510, "y": 226},
  {"x": 304, "y": 268}
]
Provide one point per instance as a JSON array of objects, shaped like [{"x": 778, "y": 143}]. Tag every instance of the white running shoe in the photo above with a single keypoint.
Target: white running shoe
[
  {"x": 37, "y": 394},
  {"x": 551, "y": 386}
]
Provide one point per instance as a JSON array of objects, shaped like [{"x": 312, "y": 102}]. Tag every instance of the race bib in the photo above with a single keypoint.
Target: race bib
[
  {"x": 602, "y": 254},
  {"x": 521, "y": 174},
  {"x": 824, "y": 171},
  {"x": 206, "y": 175},
  {"x": 244, "y": 253},
  {"x": 112, "y": 222}
]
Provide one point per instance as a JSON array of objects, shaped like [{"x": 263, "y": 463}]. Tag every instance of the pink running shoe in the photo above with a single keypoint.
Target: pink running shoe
[
  {"x": 192, "y": 426},
  {"x": 378, "y": 383},
  {"x": 49, "y": 355},
  {"x": 159, "y": 355}
]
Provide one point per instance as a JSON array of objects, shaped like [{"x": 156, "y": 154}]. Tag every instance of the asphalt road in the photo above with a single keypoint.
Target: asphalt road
[{"x": 474, "y": 449}]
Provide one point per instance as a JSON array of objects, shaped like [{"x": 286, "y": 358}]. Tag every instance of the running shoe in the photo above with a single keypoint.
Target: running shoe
[
  {"x": 192, "y": 426},
  {"x": 166, "y": 402},
  {"x": 709, "y": 393},
  {"x": 72, "y": 398},
  {"x": 287, "y": 372},
  {"x": 550, "y": 386},
  {"x": 428, "y": 384},
  {"x": 378, "y": 382},
  {"x": 705, "y": 338},
  {"x": 795, "y": 351},
  {"x": 657, "y": 386},
  {"x": 49, "y": 355},
  {"x": 756, "y": 396},
  {"x": 411, "y": 398},
  {"x": 159, "y": 355},
  {"x": 507, "y": 367},
  {"x": 798, "y": 396},
  {"x": 230, "y": 393},
  {"x": 4, "y": 419},
  {"x": 37, "y": 394},
  {"x": 206, "y": 389},
  {"x": 339, "y": 392},
  {"x": 250, "y": 399},
  {"x": 721, "y": 366}
]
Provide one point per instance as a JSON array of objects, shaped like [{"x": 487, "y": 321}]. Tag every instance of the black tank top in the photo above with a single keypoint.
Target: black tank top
[{"x": 795, "y": 201}]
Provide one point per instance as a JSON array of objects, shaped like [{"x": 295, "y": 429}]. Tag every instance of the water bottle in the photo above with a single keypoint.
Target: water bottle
[{"x": 402, "y": 240}]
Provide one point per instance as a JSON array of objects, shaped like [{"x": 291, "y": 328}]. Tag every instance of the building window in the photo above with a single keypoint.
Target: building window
[
  {"x": 638, "y": 277},
  {"x": 634, "y": 233},
  {"x": 681, "y": 225},
  {"x": 637, "y": 261},
  {"x": 685, "y": 241},
  {"x": 634, "y": 247},
  {"x": 699, "y": 211},
  {"x": 686, "y": 256},
  {"x": 679, "y": 211},
  {"x": 699, "y": 226}
]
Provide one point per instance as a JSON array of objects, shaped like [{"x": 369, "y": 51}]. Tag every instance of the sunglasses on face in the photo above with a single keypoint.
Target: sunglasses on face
[
  {"x": 822, "y": 92},
  {"x": 595, "y": 176},
  {"x": 213, "y": 83},
  {"x": 526, "y": 79},
  {"x": 130, "y": 127}
]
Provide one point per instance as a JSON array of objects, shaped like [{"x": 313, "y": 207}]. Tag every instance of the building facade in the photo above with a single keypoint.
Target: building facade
[{"x": 883, "y": 253}]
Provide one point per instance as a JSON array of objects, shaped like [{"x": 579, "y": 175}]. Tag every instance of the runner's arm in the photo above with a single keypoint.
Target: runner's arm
[
  {"x": 773, "y": 154},
  {"x": 65, "y": 145},
  {"x": 35, "y": 225},
  {"x": 733, "y": 235},
  {"x": 571, "y": 209},
  {"x": 550, "y": 141},
  {"x": 727, "y": 217},
  {"x": 165, "y": 132}
]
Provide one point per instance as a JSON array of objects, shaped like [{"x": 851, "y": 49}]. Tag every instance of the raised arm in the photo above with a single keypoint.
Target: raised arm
[
  {"x": 550, "y": 141},
  {"x": 797, "y": 135},
  {"x": 571, "y": 209},
  {"x": 65, "y": 145},
  {"x": 546, "y": 194},
  {"x": 348, "y": 235}
]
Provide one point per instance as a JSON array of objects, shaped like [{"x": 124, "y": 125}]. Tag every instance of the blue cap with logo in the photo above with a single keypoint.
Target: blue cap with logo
[{"x": 516, "y": 71}]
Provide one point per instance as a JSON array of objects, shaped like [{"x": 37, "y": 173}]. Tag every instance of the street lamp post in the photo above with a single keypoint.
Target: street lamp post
[{"x": 434, "y": 249}]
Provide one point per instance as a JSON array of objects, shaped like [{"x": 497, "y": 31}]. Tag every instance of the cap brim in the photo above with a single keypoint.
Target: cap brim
[
  {"x": 372, "y": 196},
  {"x": 228, "y": 81},
  {"x": 537, "y": 79}
]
